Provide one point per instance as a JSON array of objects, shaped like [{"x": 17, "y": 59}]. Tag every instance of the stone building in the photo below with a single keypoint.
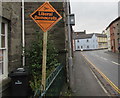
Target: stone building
[
  {"x": 10, "y": 40},
  {"x": 11, "y": 35}
]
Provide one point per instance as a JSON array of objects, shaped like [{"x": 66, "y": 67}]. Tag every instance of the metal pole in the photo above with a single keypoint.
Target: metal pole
[
  {"x": 0, "y": 45},
  {"x": 70, "y": 60},
  {"x": 44, "y": 60},
  {"x": 23, "y": 35}
]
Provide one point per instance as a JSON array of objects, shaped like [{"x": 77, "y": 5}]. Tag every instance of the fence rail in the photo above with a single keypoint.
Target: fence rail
[{"x": 54, "y": 83}]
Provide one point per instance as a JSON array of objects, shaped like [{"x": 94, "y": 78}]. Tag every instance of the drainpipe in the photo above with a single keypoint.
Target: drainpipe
[{"x": 23, "y": 35}]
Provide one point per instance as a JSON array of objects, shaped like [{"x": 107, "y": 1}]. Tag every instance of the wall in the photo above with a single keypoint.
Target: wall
[
  {"x": 108, "y": 39},
  {"x": 117, "y": 35},
  {"x": 56, "y": 34},
  {"x": 102, "y": 41},
  {"x": 114, "y": 36},
  {"x": 92, "y": 43},
  {"x": 12, "y": 12}
]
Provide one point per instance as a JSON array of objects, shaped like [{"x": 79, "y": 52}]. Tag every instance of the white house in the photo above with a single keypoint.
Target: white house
[{"x": 85, "y": 41}]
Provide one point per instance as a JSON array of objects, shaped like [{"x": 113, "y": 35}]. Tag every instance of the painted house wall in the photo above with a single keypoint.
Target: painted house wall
[
  {"x": 108, "y": 39},
  {"x": 86, "y": 44},
  {"x": 102, "y": 42}
]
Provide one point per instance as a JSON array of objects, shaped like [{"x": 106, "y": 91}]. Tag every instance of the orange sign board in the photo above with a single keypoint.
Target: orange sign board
[{"x": 46, "y": 16}]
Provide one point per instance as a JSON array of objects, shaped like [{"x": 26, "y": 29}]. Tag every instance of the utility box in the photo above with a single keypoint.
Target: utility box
[
  {"x": 19, "y": 82},
  {"x": 72, "y": 19}
]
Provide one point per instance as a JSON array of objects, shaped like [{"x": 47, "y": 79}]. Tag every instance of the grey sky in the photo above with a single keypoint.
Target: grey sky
[{"x": 93, "y": 16}]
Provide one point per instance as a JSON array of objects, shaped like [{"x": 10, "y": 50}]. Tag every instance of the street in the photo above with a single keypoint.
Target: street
[
  {"x": 59, "y": 48},
  {"x": 106, "y": 63},
  {"x": 85, "y": 82}
]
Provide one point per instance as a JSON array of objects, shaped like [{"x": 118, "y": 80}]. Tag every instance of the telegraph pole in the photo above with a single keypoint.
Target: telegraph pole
[{"x": 70, "y": 59}]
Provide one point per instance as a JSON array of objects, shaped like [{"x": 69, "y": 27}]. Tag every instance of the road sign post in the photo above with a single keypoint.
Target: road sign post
[{"x": 46, "y": 17}]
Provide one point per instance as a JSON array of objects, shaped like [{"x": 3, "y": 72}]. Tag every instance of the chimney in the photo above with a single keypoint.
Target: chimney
[{"x": 85, "y": 31}]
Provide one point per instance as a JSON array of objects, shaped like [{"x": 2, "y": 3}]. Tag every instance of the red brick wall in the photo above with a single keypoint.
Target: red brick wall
[{"x": 112, "y": 38}]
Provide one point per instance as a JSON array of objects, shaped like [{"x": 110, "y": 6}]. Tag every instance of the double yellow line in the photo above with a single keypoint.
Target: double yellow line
[{"x": 104, "y": 76}]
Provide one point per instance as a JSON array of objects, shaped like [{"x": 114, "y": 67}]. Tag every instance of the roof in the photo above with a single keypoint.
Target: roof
[
  {"x": 82, "y": 36},
  {"x": 113, "y": 22},
  {"x": 100, "y": 35},
  {"x": 82, "y": 32}
]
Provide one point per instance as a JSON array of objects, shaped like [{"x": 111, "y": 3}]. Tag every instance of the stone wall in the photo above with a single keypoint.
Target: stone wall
[
  {"x": 57, "y": 33},
  {"x": 11, "y": 11}
]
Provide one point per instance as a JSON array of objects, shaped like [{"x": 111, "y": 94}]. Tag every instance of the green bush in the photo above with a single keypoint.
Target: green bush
[{"x": 34, "y": 60}]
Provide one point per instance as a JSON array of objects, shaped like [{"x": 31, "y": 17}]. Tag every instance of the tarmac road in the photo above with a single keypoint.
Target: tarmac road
[
  {"x": 106, "y": 62},
  {"x": 85, "y": 82}
]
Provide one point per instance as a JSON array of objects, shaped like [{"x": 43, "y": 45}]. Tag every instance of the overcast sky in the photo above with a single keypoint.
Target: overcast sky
[{"x": 93, "y": 17}]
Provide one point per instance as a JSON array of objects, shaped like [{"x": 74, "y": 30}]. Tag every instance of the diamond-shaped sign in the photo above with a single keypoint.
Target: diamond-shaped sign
[{"x": 46, "y": 16}]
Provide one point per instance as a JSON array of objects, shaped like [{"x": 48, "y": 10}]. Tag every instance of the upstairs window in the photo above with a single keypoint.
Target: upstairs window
[{"x": 2, "y": 43}]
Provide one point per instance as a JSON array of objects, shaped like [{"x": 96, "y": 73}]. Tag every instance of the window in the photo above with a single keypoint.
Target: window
[
  {"x": 3, "y": 48},
  {"x": 81, "y": 47},
  {"x": 87, "y": 46},
  {"x": 87, "y": 40},
  {"x": 78, "y": 47},
  {"x": 119, "y": 40},
  {"x": 78, "y": 41}
]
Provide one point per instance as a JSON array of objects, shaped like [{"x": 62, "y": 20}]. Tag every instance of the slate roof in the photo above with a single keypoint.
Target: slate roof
[
  {"x": 101, "y": 35},
  {"x": 80, "y": 32},
  {"x": 82, "y": 36},
  {"x": 117, "y": 19}
]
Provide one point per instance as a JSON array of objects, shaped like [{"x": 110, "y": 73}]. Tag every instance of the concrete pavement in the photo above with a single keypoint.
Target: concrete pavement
[{"x": 85, "y": 82}]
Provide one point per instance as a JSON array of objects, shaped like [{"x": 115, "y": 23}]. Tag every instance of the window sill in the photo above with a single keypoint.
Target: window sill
[{"x": 4, "y": 84}]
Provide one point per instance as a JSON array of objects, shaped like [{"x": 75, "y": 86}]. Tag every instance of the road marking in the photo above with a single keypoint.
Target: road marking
[
  {"x": 103, "y": 58},
  {"x": 100, "y": 83},
  {"x": 104, "y": 76},
  {"x": 115, "y": 63}
]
